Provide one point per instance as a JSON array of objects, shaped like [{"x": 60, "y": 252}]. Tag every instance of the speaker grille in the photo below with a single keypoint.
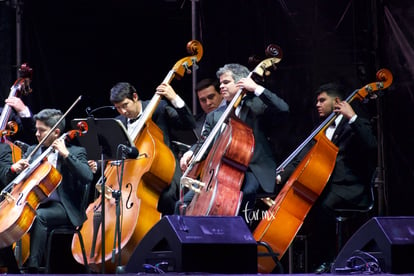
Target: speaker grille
[{"x": 196, "y": 244}]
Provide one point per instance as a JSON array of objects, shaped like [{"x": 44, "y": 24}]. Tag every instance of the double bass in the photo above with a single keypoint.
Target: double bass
[
  {"x": 21, "y": 87},
  {"x": 143, "y": 179},
  {"x": 290, "y": 207},
  {"x": 218, "y": 189}
]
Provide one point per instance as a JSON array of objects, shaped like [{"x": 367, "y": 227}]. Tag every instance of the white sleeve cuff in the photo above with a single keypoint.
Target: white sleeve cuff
[
  {"x": 353, "y": 118},
  {"x": 259, "y": 90},
  {"x": 25, "y": 113},
  {"x": 178, "y": 102}
]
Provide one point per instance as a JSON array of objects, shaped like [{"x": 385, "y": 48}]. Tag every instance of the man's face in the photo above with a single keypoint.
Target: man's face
[
  {"x": 42, "y": 130},
  {"x": 325, "y": 104},
  {"x": 209, "y": 98},
  {"x": 129, "y": 108},
  {"x": 228, "y": 87}
]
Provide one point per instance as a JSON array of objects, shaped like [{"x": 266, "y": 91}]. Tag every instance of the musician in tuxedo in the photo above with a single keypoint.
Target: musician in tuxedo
[
  {"x": 171, "y": 112},
  {"x": 260, "y": 109},
  {"x": 7, "y": 258},
  {"x": 209, "y": 97},
  {"x": 349, "y": 186},
  {"x": 64, "y": 205}
]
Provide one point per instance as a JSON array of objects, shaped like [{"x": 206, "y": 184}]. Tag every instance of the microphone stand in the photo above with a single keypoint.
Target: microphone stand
[
  {"x": 117, "y": 195},
  {"x": 105, "y": 135}
]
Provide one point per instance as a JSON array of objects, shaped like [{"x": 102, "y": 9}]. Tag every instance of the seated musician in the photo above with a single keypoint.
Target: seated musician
[
  {"x": 259, "y": 108},
  {"x": 349, "y": 183},
  {"x": 170, "y": 113},
  {"x": 7, "y": 259},
  {"x": 210, "y": 98},
  {"x": 63, "y": 206}
]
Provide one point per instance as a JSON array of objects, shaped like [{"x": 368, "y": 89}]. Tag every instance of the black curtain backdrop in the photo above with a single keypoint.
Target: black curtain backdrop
[{"x": 85, "y": 47}]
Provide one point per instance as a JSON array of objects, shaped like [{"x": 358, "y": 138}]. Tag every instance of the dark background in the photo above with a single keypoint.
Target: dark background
[{"x": 84, "y": 47}]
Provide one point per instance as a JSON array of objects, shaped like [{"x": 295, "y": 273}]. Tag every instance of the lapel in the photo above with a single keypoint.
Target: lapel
[
  {"x": 339, "y": 131},
  {"x": 244, "y": 107},
  {"x": 243, "y": 112}
]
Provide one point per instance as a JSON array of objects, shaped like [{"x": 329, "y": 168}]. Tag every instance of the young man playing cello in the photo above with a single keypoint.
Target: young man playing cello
[{"x": 63, "y": 206}]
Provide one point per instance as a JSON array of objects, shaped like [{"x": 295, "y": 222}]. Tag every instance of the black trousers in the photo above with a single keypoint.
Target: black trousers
[
  {"x": 8, "y": 260},
  {"x": 49, "y": 215}
]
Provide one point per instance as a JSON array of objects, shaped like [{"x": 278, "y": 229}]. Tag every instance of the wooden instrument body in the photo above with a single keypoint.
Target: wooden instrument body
[
  {"x": 223, "y": 172},
  {"x": 294, "y": 201},
  {"x": 18, "y": 209},
  {"x": 142, "y": 181}
]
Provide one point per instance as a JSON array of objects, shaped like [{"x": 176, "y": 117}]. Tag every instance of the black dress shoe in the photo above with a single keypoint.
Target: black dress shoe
[
  {"x": 323, "y": 268},
  {"x": 32, "y": 270}
]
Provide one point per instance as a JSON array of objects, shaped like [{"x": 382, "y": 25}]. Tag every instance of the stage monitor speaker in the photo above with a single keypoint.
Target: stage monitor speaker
[
  {"x": 390, "y": 240},
  {"x": 209, "y": 244}
]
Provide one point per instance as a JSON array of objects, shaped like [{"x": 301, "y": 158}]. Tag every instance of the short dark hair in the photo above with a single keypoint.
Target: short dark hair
[
  {"x": 204, "y": 83},
  {"x": 50, "y": 117},
  {"x": 122, "y": 90},
  {"x": 333, "y": 89}
]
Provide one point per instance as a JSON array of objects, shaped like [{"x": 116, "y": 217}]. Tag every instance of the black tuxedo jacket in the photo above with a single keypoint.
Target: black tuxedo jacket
[
  {"x": 76, "y": 174},
  {"x": 167, "y": 117},
  {"x": 355, "y": 162},
  {"x": 350, "y": 180},
  {"x": 6, "y": 175}
]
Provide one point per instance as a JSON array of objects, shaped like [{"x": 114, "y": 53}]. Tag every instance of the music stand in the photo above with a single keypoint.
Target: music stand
[{"x": 102, "y": 142}]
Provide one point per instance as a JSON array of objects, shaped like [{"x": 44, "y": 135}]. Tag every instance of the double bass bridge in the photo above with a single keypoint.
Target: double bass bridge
[{"x": 192, "y": 184}]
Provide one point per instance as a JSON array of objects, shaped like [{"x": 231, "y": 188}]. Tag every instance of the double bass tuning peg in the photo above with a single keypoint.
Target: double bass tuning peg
[{"x": 187, "y": 68}]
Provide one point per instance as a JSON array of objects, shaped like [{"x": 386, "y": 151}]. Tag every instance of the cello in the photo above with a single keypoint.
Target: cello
[
  {"x": 290, "y": 207},
  {"x": 143, "y": 179},
  {"x": 22, "y": 196},
  {"x": 218, "y": 192},
  {"x": 20, "y": 87}
]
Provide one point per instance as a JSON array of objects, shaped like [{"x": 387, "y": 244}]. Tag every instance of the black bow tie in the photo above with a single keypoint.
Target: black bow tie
[{"x": 131, "y": 121}]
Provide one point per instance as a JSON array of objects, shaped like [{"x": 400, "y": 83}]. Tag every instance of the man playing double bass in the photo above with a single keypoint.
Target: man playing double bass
[
  {"x": 350, "y": 181},
  {"x": 259, "y": 109},
  {"x": 171, "y": 112},
  {"x": 63, "y": 206}
]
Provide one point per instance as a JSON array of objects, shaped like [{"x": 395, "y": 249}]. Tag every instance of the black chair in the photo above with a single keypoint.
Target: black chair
[
  {"x": 343, "y": 215},
  {"x": 68, "y": 230}
]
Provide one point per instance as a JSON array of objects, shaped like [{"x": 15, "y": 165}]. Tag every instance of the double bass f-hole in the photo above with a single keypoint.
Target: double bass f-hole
[{"x": 129, "y": 203}]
